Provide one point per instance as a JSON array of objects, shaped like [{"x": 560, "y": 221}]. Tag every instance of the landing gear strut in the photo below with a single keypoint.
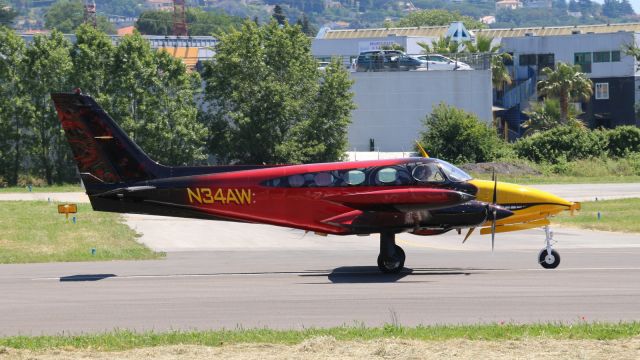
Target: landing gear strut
[
  {"x": 391, "y": 258},
  {"x": 548, "y": 258}
]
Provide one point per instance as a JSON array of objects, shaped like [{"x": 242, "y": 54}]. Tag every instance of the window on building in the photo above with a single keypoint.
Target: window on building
[
  {"x": 602, "y": 91},
  {"x": 615, "y": 55},
  {"x": 528, "y": 59},
  {"x": 601, "y": 56},
  {"x": 546, "y": 60},
  {"x": 584, "y": 60}
]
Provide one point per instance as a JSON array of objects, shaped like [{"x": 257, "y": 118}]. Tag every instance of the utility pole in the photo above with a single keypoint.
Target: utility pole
[
  {"x": 179, "y": 18},
  {"x": 90, "y": 13}
]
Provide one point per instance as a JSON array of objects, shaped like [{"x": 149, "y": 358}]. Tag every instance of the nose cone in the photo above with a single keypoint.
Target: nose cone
[
  {"x": 512, "y": 196},
  {"x": 501, "y": 212}
]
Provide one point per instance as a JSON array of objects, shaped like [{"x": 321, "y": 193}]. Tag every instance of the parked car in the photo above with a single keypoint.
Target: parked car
[
  {"x": 386, "y": 60},
  {"x": 439, "y": 62},
  {"x": 322, "y": 65}
]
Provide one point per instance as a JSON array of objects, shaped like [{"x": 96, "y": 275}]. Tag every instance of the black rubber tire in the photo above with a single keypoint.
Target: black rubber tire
[
  {"x": 395, "y": 265},
  {"x": 542, "y": 259}
]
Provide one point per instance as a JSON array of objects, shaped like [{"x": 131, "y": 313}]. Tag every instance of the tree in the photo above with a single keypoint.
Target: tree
[
  {"x": 566, "y": 83},
  {"x": 47, "y": 66},
  {"x": 278, "y": 15},
  {"x": 545, "y": 115},
  {"x": 130, "y": 8},
  {"x": 200, "y": 22},
  {"x": 207, "y": 23},
  {"x": 438, "y": 17},
  {"x": 573, "y": 6},
  {"x": 153, "y": 100},
  {"x": 155, "y": 23},
  {"x": 93, "y": 57},
  {"x": 458, "y": 136},
  {"x": 617, "y": 8},
  {"x": 67, "y": 15},
  {"x": 560, "y": 5},
  {"x": 14, "y": 107},
  {"x": 307, "y": 28},
  {"x": 322, "y": 137},
  {"x": 632, "y": 50},
  {"x": 7, "y": 14},
  {"x": 268, "y": 103}
]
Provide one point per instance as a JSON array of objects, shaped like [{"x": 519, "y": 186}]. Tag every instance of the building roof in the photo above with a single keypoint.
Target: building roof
[
  {"x": 126, "y": 30},
  {"x": 436, "y": 31}
]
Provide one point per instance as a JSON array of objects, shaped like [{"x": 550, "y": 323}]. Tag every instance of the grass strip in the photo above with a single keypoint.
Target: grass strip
[
  {"x": 125, "y": 340},
  {"x": 615, "y": 215},
  {"x": 33, "y": 231},
  {"x": 40, "y": 189},
  {"x": 559, "y": 179}
]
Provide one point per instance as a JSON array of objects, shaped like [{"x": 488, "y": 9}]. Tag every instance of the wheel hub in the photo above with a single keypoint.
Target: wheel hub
[
  {"x": 549, "y": 259},
  {"x": 391, "y": 264}
]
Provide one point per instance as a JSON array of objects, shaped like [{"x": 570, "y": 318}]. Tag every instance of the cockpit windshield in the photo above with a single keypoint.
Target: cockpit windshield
[{"x": 452, "y": 172}]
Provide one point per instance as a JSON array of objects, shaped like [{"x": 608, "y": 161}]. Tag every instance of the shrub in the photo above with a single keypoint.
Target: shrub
[
  {"x": 623, "y": 141},
  {"x": 460, "y": 137},
  {"x": 561, "y": 144}
]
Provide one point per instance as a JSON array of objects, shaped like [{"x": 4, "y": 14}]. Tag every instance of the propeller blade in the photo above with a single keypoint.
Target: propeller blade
[
  {"x": 495, "y": 187},
  {"x": 494, "y": 211},
  {"x": 468, "y": 234},
  {"x": 422, "y": 150},
  {"x": 493, "y": 231}
]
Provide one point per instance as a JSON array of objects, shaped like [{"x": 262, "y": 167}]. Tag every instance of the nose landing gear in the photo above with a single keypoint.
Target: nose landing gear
[
  {"x": 391, "y": 257},
  {"x": 548, "y": 258}
]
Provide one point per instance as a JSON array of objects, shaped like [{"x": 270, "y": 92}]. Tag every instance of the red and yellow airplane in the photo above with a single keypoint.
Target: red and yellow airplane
[{"x": 422, "y": 196}]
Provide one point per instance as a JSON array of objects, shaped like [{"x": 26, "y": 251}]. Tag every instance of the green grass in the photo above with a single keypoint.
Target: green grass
[
  {"x": 33, "y": 231},
  {"x": 52, "y": 188},
  {"x": 560, "y": 179},
  {"x": 586, "y": 171},
  {"x": 616, "y": 215},
  {"x": 124, "y": 340}
]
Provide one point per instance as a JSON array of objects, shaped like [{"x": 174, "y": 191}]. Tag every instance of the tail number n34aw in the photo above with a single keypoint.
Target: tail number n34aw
[
  {"x": 222, "y": 196},
  {"x": 423, "y": 196}
]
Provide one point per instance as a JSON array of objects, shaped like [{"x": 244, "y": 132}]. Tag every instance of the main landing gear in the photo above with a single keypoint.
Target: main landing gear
[
  {"x": 391, "y": 258},
  {"x": 548, "y": 258}
]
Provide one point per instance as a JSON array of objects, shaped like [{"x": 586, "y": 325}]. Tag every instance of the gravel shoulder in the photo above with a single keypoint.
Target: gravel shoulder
[{"x": 329, "y": 348}]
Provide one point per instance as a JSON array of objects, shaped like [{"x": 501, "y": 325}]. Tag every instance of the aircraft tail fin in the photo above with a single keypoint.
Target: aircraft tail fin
[{"x": 105, "y": 155}]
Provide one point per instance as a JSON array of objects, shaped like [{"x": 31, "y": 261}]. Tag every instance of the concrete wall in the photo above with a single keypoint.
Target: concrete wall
[{"x": 392, "y": 105}]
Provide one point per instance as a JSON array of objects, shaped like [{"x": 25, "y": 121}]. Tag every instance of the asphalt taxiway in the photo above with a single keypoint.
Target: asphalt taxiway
[
  {"x": 227, "y": 275},
  {"x": 330, "y": 281}
]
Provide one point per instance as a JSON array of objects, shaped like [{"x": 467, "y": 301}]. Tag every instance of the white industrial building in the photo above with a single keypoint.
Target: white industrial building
[{"x": 391, "y": 106}]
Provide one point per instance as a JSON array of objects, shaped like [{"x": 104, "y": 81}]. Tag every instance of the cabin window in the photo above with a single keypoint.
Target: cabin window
[
  {"x": 323, "y": 179},
  {"x": 296, "y": 180},
  {"x": 427, "y": 173},
  {"x": 355, "y": 177},
  {"x": 387, "y": 175}
]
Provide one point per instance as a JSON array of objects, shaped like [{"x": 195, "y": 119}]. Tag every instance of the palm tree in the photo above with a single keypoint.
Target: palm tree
[
  {"x": 499, "y": 72},
  {"x": 482, "y": 45},
  {"x": 444, "y": 45},
  {"x": 545, "y": 115},
  {"x": 566, "y": 83}
]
